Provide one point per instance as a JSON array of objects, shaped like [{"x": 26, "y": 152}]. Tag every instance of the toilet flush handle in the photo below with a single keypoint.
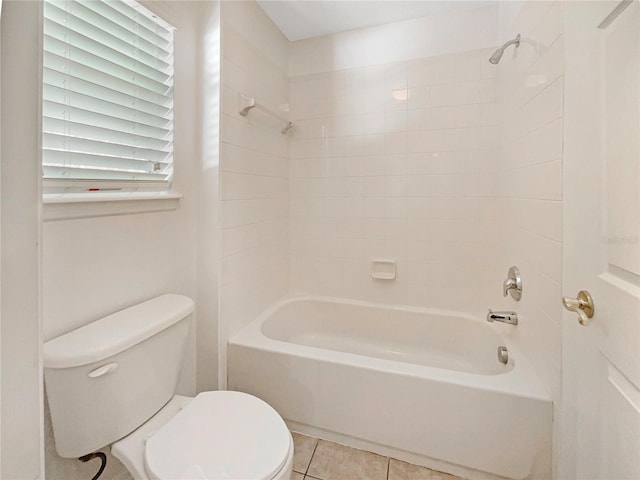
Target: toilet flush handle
[{"x": 103, "y": 370}]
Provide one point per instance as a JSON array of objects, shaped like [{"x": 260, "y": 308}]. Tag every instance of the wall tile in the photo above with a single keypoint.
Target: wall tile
[
  {"x": 254, "y": 159},
  {"x": 437, "y": 109},
  {"x": 530, "y": 176}
]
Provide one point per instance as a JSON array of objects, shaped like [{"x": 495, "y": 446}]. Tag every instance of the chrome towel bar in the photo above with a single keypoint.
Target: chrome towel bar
[{"x": 247, "y": 103}]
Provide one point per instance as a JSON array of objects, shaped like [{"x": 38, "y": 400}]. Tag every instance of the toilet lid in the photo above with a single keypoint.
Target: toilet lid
[{"x": 220, "y": 435}]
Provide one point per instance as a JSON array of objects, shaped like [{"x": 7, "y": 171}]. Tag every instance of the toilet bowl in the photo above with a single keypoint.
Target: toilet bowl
[
  {"x": 216, "y": 435},
  {"x": 113, "y": 382}
]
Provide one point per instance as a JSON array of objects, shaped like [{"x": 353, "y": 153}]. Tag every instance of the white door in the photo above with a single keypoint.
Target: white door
[{"x": 601, "y": 251}]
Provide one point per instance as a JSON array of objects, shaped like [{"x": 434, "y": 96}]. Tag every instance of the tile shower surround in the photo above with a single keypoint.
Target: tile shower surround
[
  {"x": 254, "y": 171},
  {"x": 450, "y": 165},
  {"x": 531, "y": 98},
  {"x": 418, "y": 160},
  {"x": 397, "y": 161}
]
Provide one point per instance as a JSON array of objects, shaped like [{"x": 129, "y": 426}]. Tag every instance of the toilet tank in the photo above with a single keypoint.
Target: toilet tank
[{"x": 109, "y": 377}]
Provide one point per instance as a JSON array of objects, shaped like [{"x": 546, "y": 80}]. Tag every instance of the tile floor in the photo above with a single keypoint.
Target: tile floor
[{"x": 316, "y": 459}]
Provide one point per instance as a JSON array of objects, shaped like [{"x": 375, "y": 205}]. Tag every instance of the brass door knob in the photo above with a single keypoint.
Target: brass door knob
[{"x": 583, "y": 306}]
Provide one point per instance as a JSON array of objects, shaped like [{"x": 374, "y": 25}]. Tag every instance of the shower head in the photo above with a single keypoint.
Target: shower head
[{"x": 497, "y": 55}]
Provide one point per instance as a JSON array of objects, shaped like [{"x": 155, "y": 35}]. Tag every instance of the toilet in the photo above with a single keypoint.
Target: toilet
[{"x": 113, "y": 381}]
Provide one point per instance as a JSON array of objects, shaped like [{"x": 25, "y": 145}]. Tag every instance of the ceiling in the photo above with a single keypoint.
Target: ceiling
[{"x": 300, "y": 19}]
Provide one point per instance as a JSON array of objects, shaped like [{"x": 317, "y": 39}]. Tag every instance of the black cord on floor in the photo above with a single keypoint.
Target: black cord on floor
[{"x": 91, "y": 456}]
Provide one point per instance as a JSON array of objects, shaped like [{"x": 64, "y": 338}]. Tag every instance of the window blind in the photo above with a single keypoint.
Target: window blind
[{"x": 107, "y": 112}]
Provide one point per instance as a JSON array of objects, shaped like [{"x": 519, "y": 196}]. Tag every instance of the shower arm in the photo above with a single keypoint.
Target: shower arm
[
  {"x": 515, "y": 41},
  {"x": 497, "y": 55}
]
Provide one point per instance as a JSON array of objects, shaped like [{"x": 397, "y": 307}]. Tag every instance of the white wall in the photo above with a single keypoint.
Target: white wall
[
  {"x": 531, "y": 86},
  {"x": 254, "y": 170},
  {"x": 208, "y": 225},
  {"x": 439, "y": 34},
  {"x": 21, "y": 402},
  {"x": 395, "y": 155},
  {"x": 0, "y": 242},
  {"x": 347, "y": 201},
  {"x": 95, "y": 266}
]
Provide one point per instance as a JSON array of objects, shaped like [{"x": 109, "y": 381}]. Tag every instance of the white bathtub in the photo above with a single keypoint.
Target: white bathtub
[{"x": 424, "y": 386}]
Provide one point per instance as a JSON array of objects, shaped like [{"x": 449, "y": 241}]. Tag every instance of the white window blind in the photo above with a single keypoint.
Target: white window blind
[{"x": 107, "y": 97}]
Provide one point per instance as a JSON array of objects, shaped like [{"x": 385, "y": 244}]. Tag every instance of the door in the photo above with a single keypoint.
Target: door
[{"x": 600, "y": 436}]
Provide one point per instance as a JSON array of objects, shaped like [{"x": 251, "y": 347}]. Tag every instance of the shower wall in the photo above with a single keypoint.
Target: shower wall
[
  {"x": 532, "y": 88},
  {"x": 418, "y": 149},
  {"x": 254, "y": 170},
  {"x": 395, "y": 155},
  {"x": 531, "y": 97},
  {"x": 408, "y": 145}
]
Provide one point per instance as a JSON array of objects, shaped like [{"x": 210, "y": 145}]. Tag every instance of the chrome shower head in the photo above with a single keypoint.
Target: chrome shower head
[{"x": 497, "y": 55}]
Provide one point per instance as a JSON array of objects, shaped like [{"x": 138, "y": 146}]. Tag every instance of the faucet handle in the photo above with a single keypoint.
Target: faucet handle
[
  {"x": 508, "y": 284},
  {"x": 513, "y": 284}
]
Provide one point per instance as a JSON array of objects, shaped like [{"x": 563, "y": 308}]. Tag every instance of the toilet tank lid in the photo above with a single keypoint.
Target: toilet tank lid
[{"x": 115, "y": 333}]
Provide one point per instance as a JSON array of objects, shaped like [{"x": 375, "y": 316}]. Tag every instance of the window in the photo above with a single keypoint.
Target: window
[{"x": 107, "y": 111}]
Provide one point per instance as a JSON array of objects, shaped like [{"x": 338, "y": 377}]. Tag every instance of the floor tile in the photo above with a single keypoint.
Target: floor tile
[
  {"x": 337, "y": 462},
  {"x": 297, "y": 476},
  {"x": 303, "y": 447},
  {"x": 405, "y": 471}
]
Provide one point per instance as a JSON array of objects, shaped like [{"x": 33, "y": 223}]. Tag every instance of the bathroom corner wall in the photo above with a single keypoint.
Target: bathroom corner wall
[
  {"x": 95, "y": 266},
  {"x": 21, "y": 442},
  {"x": 208, "y": 221},
  {"x": 531, "y": 86},
  {"x": 395, "y": 155},
  {"x": 254, "y": 170}
]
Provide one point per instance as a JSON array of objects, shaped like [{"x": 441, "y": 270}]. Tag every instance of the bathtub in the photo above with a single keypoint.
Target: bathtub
[{"x": 420, "y": 385}]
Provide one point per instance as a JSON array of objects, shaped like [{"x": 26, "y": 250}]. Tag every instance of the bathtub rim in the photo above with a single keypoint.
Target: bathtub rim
[{"x": 519, "y": 381}]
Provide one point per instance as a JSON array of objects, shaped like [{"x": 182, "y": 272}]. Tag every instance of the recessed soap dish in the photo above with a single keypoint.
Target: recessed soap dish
[{"x": 383, "y": 269}]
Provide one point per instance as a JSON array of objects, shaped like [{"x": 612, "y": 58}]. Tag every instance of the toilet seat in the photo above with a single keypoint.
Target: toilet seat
[{"x": 220, "y": 435}]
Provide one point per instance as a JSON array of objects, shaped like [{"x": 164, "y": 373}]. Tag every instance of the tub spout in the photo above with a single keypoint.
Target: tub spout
[{"x": 505, "y": 317}]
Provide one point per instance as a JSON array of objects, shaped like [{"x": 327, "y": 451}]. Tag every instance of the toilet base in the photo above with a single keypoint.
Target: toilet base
[{"x": 130, "y": 450}]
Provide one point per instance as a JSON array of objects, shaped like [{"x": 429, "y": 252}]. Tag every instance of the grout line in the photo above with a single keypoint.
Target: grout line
[
  {"x": 311, "y": 459},
  {"x": 543, "y": 90},
  {"x": 532, "y": 165},
  {"x": 306, "y": 475}
]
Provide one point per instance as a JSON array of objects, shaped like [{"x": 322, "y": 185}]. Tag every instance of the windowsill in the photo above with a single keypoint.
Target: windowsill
[{"x": 86, "y": 205}]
